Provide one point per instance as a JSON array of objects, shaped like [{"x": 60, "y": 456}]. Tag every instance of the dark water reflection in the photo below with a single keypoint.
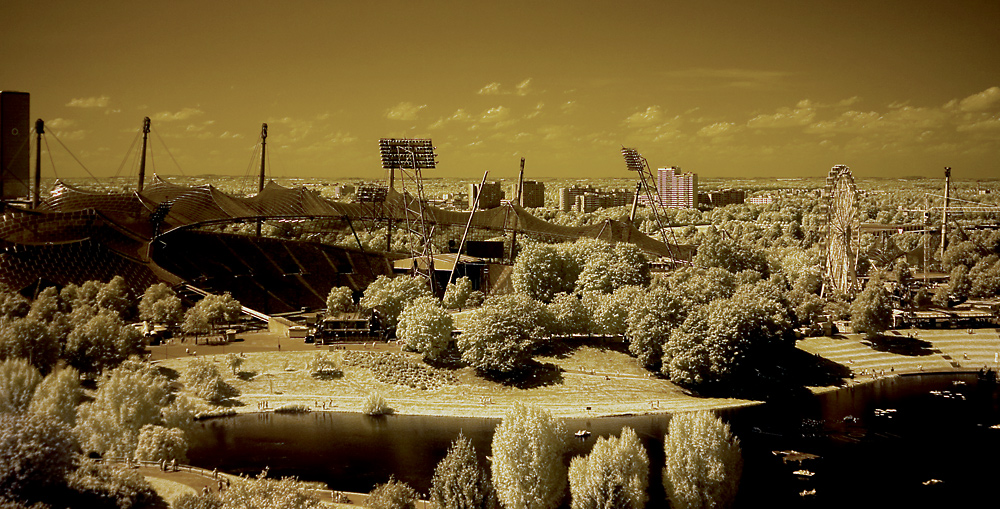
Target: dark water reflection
[{"x": 867, "y": 458}]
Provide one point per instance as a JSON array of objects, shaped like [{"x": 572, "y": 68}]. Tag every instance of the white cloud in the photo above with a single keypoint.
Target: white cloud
[
  {"x": 649, "y": 117},
  {"x": 716, "y": 129},
  {"x": 490, "y": 89},
  {"x": 801, "y": 114},
  {"x": 495, "y": 88},
  {"x": 984, "y": 100},
  {"x": 988, "y": 125},
  {"x": 460, "y": 115},
  {"x": 90, "y": 102},
  {"x": 404, "y": 111},
  {"x": 183, "y": 114},
  {"x": 522, "y": 88},
  {"x": 59, "y": 123},
  {"x": 495, "y": 114}
]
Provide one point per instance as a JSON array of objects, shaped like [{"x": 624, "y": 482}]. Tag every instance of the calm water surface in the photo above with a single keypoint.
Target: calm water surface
[{"x": 867, "y": 457}]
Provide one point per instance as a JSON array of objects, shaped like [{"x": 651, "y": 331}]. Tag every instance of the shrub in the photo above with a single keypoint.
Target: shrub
[
  {"x": 375, "y": 405},
  {"x": 98, "y": 485},
  {"x": 292, "y": 408},
  {"x": 204, "y": 379},
  {"x": 392, "y": 495},
  {"x": 158, "y": 443}
]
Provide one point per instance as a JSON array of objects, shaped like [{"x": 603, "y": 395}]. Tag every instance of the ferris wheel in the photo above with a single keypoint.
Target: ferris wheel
[{"x": 840, "y": 198}]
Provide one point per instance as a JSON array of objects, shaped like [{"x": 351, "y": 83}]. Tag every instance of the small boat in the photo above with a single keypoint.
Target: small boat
[
  {"x": 804, "y": 493},
  {"x": 932, "y": 482},
  {"x": 804, "y": 473},
  {"x": 582, "y": 433}
]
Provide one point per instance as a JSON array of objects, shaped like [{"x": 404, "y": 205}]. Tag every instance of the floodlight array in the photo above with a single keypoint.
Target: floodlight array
[
  {"x": 633, "y": 160},
  {"x": 406, "y": 153}
]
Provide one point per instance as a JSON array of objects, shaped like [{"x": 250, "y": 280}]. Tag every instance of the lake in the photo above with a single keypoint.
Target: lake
[{"x": 877, "y": 444}]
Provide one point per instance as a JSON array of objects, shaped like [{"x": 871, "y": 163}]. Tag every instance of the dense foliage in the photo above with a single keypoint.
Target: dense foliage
[
  {"x": 703, "y": 462},
  {"x": 528, "y": 469}
]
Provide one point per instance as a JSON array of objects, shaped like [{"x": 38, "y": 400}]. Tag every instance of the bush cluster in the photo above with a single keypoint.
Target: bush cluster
[{"x": 395, "y": 369}]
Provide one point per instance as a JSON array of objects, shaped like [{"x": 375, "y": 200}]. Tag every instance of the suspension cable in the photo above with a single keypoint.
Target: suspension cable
[
  {"x": 99, "y": 183},
  {"x": 165, "y": 147}
]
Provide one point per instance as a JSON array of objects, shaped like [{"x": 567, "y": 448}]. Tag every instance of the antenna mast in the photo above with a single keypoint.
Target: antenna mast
[
  {"x": 142, "y": 162},
  {"x": 39, "y": 130},
  {"x": 263, "y": 158}
]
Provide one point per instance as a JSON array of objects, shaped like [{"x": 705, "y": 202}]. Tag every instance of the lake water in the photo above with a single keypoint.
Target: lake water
[{"x": 867, "y": 457}]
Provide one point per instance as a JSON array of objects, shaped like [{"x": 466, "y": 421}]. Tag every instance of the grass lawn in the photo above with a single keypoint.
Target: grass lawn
[
  {"x": 169, "y": 490},
  {"x": 607, "y": 381},
  {"x": 591, "y": 379}
]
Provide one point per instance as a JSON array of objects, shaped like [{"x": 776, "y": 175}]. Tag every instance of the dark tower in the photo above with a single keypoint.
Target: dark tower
[{"x": 15, "y": 145}]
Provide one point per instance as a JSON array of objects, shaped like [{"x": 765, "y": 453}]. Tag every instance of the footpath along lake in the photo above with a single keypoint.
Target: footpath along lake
[{"x": 921, "y": 440}]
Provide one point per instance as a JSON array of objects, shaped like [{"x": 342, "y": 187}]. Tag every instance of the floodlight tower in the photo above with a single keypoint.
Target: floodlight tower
[
  {"x": 635, "y": 162},
  {"x": 411, "y": 157}
]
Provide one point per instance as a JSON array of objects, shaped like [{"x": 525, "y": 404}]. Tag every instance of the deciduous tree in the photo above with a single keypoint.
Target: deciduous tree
[
  {"x": 58, "y": 396},
  {"x": 704, "y": 463},
  {"x": 460, "y": 482},
  {"x": 389, "y": 296},
  {"x": 528, "y": 469},
  {"x": 18, "y": 381},
  {"x": 871, "y": 311},
  {"x": 160, "y": 304},
  {"x": 339, "y": 300},
  {"x": 425, "y": 327},
  {"x": 36, "y": 453},
  {"x": 614, "y": 475}
]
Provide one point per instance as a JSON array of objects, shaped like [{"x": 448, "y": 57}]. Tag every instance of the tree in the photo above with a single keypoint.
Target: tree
[
  {"x": 13, "y": 305},
  {"x": 36, "y": 453},
  {"x": 114, "y": 296},
  {"x": 871, "y": 311},
  {"x": 30, "y": 339},
  {"x": 203, "y": 379},
  {"x": 569, "y": 313},
  {"x": 724, "y": 343},
  {"x": 157, "y": 443},
  {"x": 425, "y": 327},
  {"x": 650, "y": 321},
  {"x": 46, "y": 305},
  {"x": 703, "y": 462},
  {"x": 457, "y": 294},
  {"x": 539, "y": 272},
  {"x": 528, "y": 469},
  {"x": 18, "y": 381},
  {"x": 614, "y": 475},
  {"x": 58, "y": 396},
  {"x": 339, "y": 300},
  {"x": 460, "y": 482},
  {"x": 234, "y": 362},
  {"x": 494, "y": 341},
  {"x": 534, "y": 318},
  {"x": 219, "y": 309},
  {"x": 107, "y": 485},
  {"x": 196, "y": 321},
  {"x": 102, "y": 342},
  {"x": 323, "y": 365},
  {"x": 610, "y": 315},
  {"x": 717, "y": 250},
  {"x": 159, "y": 304},
  {"x": 388, "y": 296},
  {"x": 985, "y": 277},
  {"x": 127, "y": 398}
]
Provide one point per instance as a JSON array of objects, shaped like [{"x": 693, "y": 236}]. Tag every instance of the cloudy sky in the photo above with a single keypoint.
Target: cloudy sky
[{"x": 725, "y": 89}]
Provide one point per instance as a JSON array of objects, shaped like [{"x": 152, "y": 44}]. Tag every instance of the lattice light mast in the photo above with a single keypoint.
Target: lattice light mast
[
  {"x": 411, "y": 157},
  {"x": 635, "y": 162}
]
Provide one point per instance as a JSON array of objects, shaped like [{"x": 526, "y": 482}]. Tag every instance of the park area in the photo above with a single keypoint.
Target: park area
[{"x": 592, "y": 378}]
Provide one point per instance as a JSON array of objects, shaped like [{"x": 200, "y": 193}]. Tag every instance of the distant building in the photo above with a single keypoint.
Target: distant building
[
  {"x": 763, "y": 199},
  {"x": 722, "y": 197},
  {"x": 491, "y": 195},
  {"x": 532, "y": 194},
  {"x": 371, "y": 193},
  {"x": 341, "y": 191},
  {"x": 675, "y": 189},
  {"x": 589, "y": 198}
]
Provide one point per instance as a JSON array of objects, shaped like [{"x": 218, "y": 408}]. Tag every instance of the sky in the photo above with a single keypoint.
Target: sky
[{"x": 769, "y": 88}]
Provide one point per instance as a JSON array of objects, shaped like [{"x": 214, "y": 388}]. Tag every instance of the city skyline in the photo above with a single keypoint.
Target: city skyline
[{"x": 772, "y": 89}]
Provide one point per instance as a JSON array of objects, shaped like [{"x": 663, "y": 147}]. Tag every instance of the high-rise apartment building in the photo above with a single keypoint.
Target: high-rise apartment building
[
  {"x": 532, "y": 194},
  {"x": 491, "y": 195},
  {"x": 676, "y": 189}
]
